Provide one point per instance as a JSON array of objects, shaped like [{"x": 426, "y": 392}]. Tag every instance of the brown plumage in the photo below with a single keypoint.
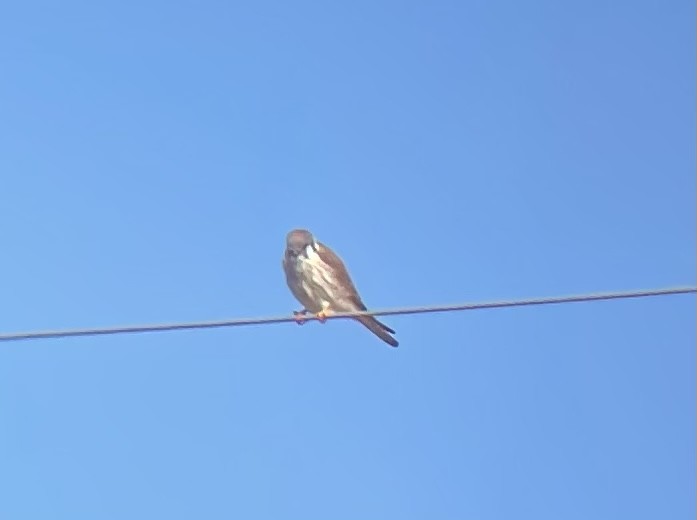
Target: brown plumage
[{"x": 318, "y": 278}]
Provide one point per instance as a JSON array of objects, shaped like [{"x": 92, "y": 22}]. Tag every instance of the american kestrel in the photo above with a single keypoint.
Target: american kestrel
[{"x": 319, "y": 280}]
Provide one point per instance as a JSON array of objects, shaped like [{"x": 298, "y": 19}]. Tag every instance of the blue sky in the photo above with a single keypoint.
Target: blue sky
[{"x": 154, "y": 155}]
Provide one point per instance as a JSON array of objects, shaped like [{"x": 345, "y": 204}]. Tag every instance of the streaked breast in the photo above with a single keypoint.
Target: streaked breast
[{"x": 317, "y": 278}]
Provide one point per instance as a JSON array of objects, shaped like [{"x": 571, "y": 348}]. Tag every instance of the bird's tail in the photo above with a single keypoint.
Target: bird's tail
[{"x": 381, "y": 330}]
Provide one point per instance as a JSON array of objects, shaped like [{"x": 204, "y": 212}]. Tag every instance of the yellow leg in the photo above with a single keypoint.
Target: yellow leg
[{"x": 322, "y": 315}]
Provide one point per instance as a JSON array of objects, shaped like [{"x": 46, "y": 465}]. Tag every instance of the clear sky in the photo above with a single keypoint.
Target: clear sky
[{"x": 155, "y": 154}]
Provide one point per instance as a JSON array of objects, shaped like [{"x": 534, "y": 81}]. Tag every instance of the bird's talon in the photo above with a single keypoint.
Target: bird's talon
[
  {"x": 322, "y": 316},
  {"x": 299, "y": 317}
]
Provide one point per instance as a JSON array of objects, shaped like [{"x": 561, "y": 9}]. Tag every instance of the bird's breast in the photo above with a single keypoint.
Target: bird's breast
[{"x": 316, "y": 277}]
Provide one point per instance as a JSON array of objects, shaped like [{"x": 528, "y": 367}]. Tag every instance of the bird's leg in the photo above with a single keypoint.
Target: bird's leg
[
  {"x": 322, "y": 315},
  {"x": 300, "y": 316}
]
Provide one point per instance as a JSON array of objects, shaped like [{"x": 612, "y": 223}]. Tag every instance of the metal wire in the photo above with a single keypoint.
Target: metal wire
[{"x": 18, "y": 336}]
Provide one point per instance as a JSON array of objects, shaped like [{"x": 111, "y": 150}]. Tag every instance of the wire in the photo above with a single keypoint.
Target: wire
[{"x": 18, "y": 336}]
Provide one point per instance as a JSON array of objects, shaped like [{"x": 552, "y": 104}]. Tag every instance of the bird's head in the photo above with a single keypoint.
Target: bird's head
[{"x": 298, "y": 240}]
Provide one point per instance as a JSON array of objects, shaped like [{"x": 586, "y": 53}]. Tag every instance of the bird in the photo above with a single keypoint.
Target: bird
[{"x": 319, "y": 280}]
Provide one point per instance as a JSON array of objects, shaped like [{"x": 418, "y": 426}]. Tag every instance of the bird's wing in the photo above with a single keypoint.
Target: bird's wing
[
  {"x": 344, "y": 280},
  {"x": 341, "y": 274}
]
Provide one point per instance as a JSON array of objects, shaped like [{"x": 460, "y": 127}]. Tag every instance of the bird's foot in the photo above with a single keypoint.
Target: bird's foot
[
  {"x": 322, "y": 315},
  {"x": 300, "y": 316}
]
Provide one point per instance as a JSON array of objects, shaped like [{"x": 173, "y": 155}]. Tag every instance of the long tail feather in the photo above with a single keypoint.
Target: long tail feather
[{"x": 379, "y": 329}]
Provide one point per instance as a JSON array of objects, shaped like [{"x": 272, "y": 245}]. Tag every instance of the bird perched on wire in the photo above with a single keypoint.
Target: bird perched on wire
[{"x": 319, "y": 280}]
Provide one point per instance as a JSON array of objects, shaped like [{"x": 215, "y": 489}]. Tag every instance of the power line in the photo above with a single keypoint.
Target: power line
[{"x": 18, "y": 336}]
